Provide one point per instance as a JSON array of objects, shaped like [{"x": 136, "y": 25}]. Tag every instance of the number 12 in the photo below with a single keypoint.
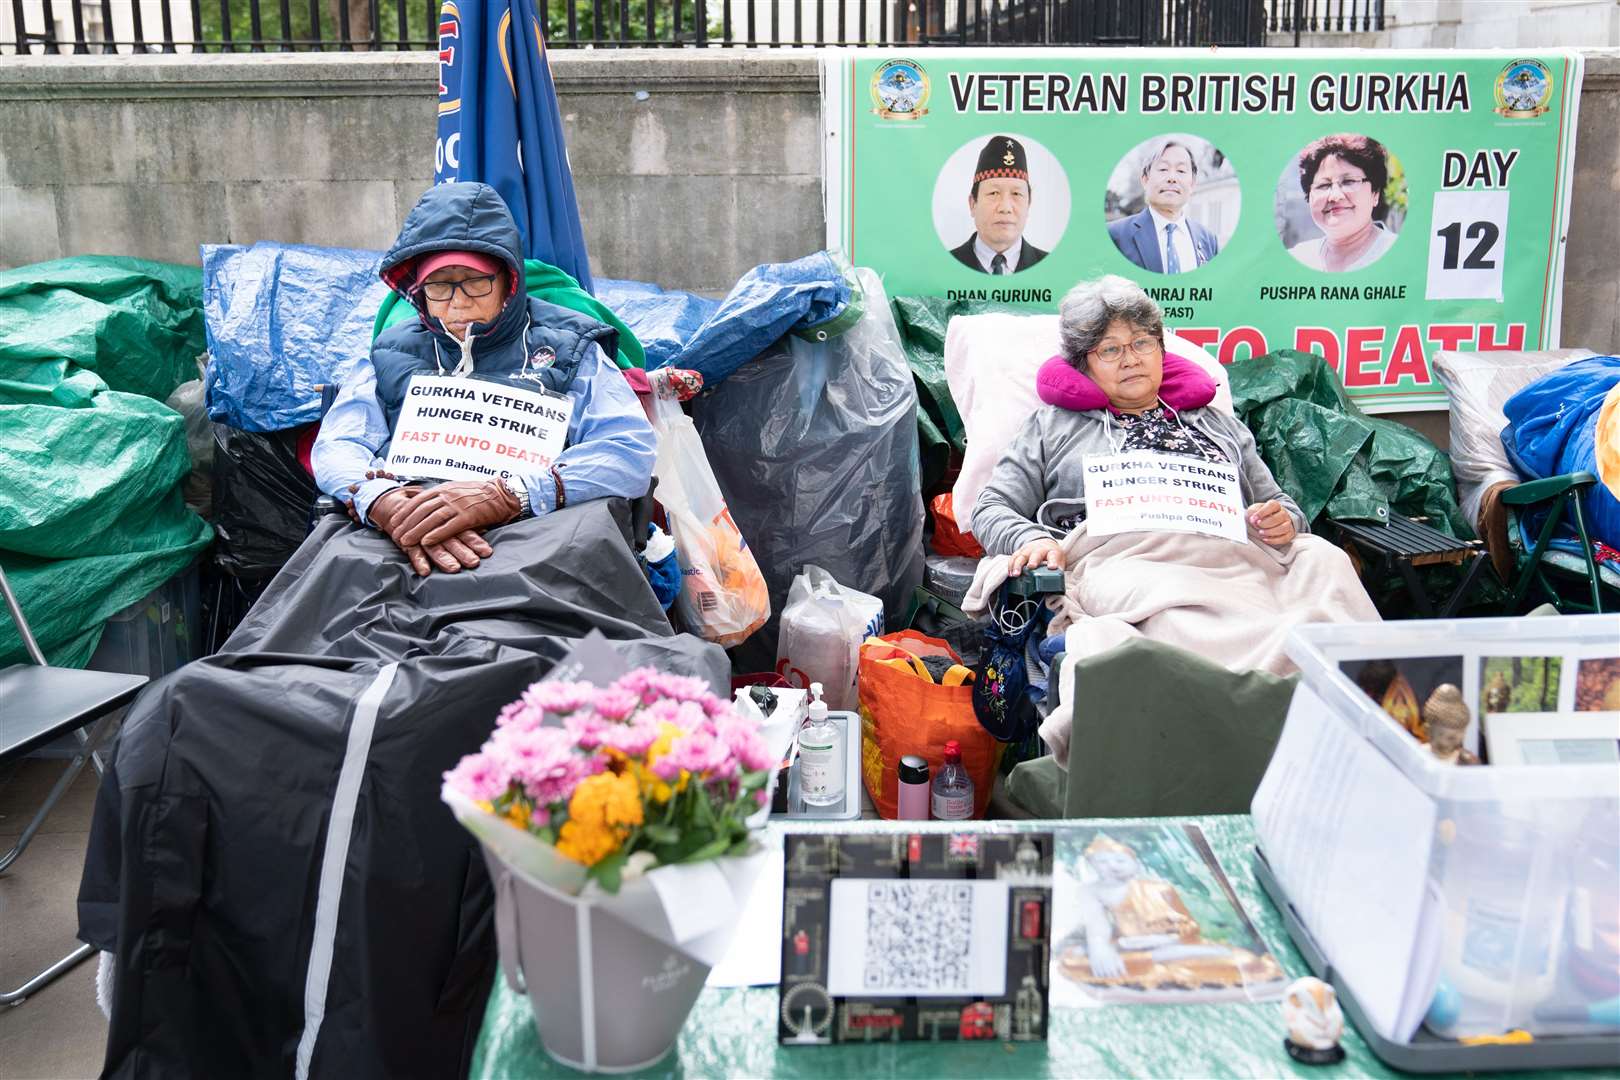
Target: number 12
[{"x": 1485, "y": 232}]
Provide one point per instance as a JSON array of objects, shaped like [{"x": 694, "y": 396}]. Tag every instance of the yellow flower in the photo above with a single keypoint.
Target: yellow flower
[
  {"x": 518, "y": 813},
  {"x": 606, "y": 799},
  {"x": 600, "y": 813},
  {"x": 588, "y": 844}
]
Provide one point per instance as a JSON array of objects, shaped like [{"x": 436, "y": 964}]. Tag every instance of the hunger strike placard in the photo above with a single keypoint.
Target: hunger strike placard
[
  {"x": 473, "y": 429},
  {"x": 1147, "y": 492}
]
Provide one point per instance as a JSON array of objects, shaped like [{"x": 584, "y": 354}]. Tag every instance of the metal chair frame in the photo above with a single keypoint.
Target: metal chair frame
[{"x": 101, "y": 723}]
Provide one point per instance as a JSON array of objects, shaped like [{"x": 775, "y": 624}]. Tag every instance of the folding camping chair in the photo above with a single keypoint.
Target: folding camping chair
[
  {"x": 1546, "y": 567},
  {"x": 38, "y": 703}
]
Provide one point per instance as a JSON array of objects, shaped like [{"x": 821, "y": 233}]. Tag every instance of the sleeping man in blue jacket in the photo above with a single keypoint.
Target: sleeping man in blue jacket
[{"x": 478, "y": 338}]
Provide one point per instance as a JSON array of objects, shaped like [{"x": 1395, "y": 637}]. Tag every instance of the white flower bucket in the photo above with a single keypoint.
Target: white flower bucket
[
  {"x": 606, "y": 996},
  {"x": 610, "y": 977}
]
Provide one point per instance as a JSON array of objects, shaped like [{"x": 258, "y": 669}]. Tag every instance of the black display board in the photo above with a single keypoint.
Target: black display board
[{"x": 928, "y": 936}]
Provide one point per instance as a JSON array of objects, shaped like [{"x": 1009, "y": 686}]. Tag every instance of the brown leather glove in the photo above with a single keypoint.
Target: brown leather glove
[
  {"x": 463, "y": 549},
  {"x": 450, "y": 509}
]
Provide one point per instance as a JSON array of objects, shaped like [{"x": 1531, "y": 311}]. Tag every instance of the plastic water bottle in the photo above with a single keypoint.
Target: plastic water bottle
[
  {"x": 821, "y": 764},
  {"x": 953, "y": 788}
]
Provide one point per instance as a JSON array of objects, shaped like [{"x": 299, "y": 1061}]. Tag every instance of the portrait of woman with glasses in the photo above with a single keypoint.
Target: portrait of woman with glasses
[{"x": 1344, "y": 178}]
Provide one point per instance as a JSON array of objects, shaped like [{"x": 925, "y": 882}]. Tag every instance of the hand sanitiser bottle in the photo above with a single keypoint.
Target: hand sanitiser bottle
[
  {"x": 953, "y": 788},
  {"x": 821, "y": 760}
]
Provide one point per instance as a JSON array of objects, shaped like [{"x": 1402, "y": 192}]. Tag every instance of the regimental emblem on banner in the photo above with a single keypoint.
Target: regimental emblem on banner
[
  {"x": 900, "y": 90},
  {"x": 1523, "y": 90}
]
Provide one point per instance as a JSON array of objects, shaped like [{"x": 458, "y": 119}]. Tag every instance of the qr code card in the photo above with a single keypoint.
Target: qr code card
[{"x": 918, "y": 937}]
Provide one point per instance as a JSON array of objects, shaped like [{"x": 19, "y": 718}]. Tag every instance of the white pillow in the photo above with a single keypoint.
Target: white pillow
[
  {"x": 1478, "y": 384},
  {"x": 990, "y": 364}
]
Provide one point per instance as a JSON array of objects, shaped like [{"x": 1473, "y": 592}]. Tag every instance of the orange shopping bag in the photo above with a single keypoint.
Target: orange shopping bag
[{"x": 904, "y": 711}]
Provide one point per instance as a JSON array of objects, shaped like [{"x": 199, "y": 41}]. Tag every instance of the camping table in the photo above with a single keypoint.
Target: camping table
[
  {"x": 732, "y": 1032},
  {"x": 1405, "y": 544}
]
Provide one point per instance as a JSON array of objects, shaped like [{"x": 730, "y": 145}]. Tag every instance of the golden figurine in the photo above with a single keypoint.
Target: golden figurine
[
  {"x": 1137, "y": 938},
  {"x": 1498, "y": 695},
  {"x": 1446, "y": 716}
]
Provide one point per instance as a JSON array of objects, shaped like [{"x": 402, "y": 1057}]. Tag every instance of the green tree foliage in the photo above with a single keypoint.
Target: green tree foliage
[
  {"x": 1532, "y": 681},
  {"x": 421, "y": 20}
]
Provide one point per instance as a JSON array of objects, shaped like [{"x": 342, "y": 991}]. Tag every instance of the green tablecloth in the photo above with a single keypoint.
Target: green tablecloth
[{"x": 732, "y": 1033}]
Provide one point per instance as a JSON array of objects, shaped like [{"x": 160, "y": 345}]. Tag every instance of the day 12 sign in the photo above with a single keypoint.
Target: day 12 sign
[
  {"x": 1142, "y": 491},
  {"x": 474, "y": 429}
]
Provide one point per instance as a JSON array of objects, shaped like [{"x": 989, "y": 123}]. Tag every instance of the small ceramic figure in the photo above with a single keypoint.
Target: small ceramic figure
[
  {"x": 1445, "y": 714},
  {"x": 1315, "y": 1023}
]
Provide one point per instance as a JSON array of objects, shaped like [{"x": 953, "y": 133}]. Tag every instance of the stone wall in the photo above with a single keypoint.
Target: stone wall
[{"x": 690, "y": 167}]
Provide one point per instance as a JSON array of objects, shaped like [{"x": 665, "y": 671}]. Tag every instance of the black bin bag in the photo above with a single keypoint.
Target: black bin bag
[
  {"x": 262, "y": 499},
  {"x": 814, "y": 444},
  {"x": 269, "y": 859}
]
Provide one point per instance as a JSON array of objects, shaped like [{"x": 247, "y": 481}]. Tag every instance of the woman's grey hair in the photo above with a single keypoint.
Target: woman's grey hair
[{"x": 1089, "y": 308}]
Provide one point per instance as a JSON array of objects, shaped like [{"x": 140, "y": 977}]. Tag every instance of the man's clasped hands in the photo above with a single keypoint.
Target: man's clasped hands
[{"x": 441, "y": 526}]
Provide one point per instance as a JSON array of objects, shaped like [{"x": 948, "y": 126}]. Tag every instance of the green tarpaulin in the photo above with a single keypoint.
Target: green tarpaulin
[
  {"x": 91, "y": 514},
  {"x": 1331, "y": 457}
]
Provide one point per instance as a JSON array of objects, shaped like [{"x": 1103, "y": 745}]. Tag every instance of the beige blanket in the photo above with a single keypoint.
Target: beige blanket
[{"x": 1232, "y": 604}]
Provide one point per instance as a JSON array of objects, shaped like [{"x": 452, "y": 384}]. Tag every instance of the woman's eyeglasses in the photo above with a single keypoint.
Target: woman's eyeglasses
[
  {"x": 473, "y": 287},
  {"x": 1112, "y": 354},
  {"x": 1347, "y": 187}
]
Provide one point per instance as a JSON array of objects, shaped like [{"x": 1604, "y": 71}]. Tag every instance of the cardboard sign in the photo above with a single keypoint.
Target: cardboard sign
[
  {"x": 1142, "y": 491},
  {"x": 473, "y": 429}
]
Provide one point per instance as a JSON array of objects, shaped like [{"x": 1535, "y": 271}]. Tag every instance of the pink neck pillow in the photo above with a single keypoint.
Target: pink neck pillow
[{"x": 1185, "y": 386}]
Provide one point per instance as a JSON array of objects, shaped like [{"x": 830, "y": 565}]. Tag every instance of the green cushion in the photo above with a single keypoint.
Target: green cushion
[{"x": 1159, "y": 732}]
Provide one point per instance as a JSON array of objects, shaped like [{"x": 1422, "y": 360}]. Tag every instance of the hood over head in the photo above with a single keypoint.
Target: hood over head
[{"x": 457, "y": 217}]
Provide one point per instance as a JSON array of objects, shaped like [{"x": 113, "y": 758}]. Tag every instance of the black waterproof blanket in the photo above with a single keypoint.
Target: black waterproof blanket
[{"x": 270, "y": 861}]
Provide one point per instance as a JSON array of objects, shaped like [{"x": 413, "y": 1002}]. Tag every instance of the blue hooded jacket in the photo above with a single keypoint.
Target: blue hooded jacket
[{"x": 610, "y": 446}]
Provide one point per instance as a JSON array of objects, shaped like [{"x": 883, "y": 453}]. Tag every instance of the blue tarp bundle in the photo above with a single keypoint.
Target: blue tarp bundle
[
  {"x": 764, "y": 305},
  {"x": 1552, "y": 429},
  {"x": 284, "y": 318}
]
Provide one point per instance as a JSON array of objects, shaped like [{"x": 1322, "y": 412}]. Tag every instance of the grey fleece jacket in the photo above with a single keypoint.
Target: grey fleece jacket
[{"x": 1043, "y": 465}]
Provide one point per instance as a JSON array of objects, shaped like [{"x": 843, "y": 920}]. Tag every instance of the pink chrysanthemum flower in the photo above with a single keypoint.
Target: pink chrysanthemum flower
[
  {"x": 585, "y": 728},
  {"x": 479, "y": 777},
  {"x": 632, "y": 739},
  {"x": 615, "y": 705},
  {"x": 558, "y": 697}
]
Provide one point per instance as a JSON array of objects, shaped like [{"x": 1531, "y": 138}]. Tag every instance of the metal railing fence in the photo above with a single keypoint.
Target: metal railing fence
[{"x": 61, "y": 27}]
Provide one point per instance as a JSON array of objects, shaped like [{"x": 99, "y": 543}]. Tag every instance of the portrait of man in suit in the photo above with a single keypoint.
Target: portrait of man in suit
[
  {"x": 999, "y": 202},
  {"x": 1162, "y": 238}
]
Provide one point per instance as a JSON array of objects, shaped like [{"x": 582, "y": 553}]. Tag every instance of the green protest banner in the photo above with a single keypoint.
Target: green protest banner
[{"x": 1373, "y": 207}]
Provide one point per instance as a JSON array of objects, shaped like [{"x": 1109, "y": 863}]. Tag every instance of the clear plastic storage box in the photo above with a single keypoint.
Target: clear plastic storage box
[{"x": 1477, "y": 899}]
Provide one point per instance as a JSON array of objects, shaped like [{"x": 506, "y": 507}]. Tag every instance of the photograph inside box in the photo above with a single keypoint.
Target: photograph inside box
[
  {"x": 915, "y": 936},
  {"x": 1143, "y": 914}
]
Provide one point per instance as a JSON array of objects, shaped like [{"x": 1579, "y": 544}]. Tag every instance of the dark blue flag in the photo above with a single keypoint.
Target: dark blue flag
[{"x": 499, "y": 124}]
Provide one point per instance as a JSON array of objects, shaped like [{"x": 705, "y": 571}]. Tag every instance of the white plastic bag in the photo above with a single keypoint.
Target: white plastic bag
[
  {"x": 723, "y": 595},
  {"x": 823, "y": 626}
]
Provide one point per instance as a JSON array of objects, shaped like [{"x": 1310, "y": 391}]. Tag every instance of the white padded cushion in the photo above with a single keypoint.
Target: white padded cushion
[
  {"x": 1478, "y": 384},
  {"x": 990, "y": 363}
]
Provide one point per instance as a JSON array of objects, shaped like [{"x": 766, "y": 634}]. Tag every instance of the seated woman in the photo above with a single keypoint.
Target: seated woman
[
  {"x": 458, "y": 260},
  {"x": 1232, "y": 603}
]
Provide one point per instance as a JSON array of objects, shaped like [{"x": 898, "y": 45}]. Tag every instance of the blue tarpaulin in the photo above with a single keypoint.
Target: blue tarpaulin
[
  {"x": 769, "y": 301},
  {"x": 1552, "y": 430},
  {"x": 281, "y": 320}
]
